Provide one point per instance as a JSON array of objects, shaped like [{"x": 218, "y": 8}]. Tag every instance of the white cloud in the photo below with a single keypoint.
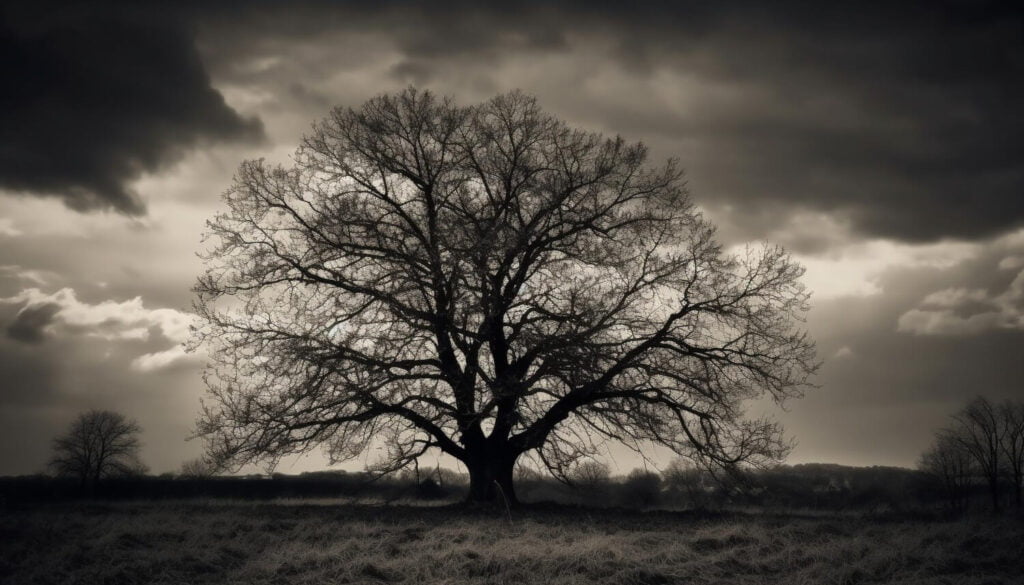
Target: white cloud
[
  {"x": 112, "y": 321},
  {"x": 969, "y": 310},
  {"x": 1011, "y": 263},
  {"x": 843, "y": 352},
  {"x": 962, "y": 311},
  {"x": 7, "y": 228},
  {"x": 38, "y": 277},
  {"x": 161, "y": 359},
  {"x": 854, "y": 269}
]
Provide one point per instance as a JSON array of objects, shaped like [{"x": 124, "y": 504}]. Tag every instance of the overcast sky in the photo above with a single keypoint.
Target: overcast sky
[{"x": 882, "y": 145}]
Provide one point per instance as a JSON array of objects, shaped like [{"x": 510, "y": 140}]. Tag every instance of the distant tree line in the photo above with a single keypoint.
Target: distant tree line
[
  {"x": 171, "y": 486},
  {"x": 983, "y": 445},
  {"x": 682, "y": 485},
  {"x": 679, "y": 486}
]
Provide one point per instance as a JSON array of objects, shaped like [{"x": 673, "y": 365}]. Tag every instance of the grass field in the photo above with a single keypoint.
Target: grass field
[{"x": 234, "y": 542}]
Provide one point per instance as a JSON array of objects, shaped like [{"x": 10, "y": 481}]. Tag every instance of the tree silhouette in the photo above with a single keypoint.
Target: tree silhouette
[
  {"x": 1011, "y": 416},
  {"x": 99, "y": 444},
  {"x": 592, "y": 479},
  {"x": 492, "y": 283},
  {"x": 198, "y": 468},
  {"x": 978, "y": 430},
  {"x": 953, "y": 466}
]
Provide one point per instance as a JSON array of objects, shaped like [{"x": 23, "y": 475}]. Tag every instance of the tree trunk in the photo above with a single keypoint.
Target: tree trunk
[
  {"x": 1017, "y": 480},
  {"x": 993, "y": 487},
  {"x": 490, "y": 480}
]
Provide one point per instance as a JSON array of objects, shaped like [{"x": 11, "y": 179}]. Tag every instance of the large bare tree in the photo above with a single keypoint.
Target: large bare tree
[
  {"x": 99, "y": 444},
  {"x": 491, "y": 283}
]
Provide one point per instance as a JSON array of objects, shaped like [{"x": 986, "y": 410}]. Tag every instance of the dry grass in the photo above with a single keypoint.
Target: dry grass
[{"x": 223, "y": 542}]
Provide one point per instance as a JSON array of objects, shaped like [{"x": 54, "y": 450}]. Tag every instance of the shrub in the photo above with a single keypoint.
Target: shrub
[{"x": 641, "y": 488}]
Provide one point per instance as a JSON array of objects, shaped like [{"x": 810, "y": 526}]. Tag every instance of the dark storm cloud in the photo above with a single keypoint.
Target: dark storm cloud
[
  {"x": 95, "y": 95},
  {"x": 29, "y": 324},
  {"x": 901, "y": 118}
]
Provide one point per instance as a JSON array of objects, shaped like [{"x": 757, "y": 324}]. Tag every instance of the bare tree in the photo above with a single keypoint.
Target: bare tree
[
  {"x": 198, "y": 468},
  {"x": 693, "y": 484},
  {"x": 949, "y": 462},
  {"x": 978, "y": 430},
  {"x": 99, "y": 444},
  {"x": 592, "y": 478},
  {"x": 492, "y": 283},
  {"x": 1011, "y": 417}
]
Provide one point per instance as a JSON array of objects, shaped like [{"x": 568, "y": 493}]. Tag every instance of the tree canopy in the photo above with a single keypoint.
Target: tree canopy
[
  {"x": 986, "y": 440},
  {"x": 99, "y": 444},
  {"x": 491, "y": 283}
]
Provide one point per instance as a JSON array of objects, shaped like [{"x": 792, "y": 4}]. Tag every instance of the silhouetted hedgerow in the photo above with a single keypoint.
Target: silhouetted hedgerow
[{"x": 797, "y": 487}]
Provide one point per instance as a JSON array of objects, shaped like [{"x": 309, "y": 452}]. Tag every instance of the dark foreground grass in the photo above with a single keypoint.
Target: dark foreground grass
[{"x": 224, "y": 542}]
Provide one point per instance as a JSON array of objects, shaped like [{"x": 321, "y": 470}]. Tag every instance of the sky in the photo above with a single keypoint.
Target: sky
[{"x": 882, "y": 144}]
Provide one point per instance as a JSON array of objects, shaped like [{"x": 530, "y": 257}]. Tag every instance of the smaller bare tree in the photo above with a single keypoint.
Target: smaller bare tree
[
  {"x": 99, "y": 444},
  {"x": 1011, "y": 417},
  {"x": 591, "y": 478},
  {"x": 693, "y": 484},
  {"x": 949, "y": 463},
  {"x": 198, "y": 468},
  {"x": 978, "y": 430}
]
